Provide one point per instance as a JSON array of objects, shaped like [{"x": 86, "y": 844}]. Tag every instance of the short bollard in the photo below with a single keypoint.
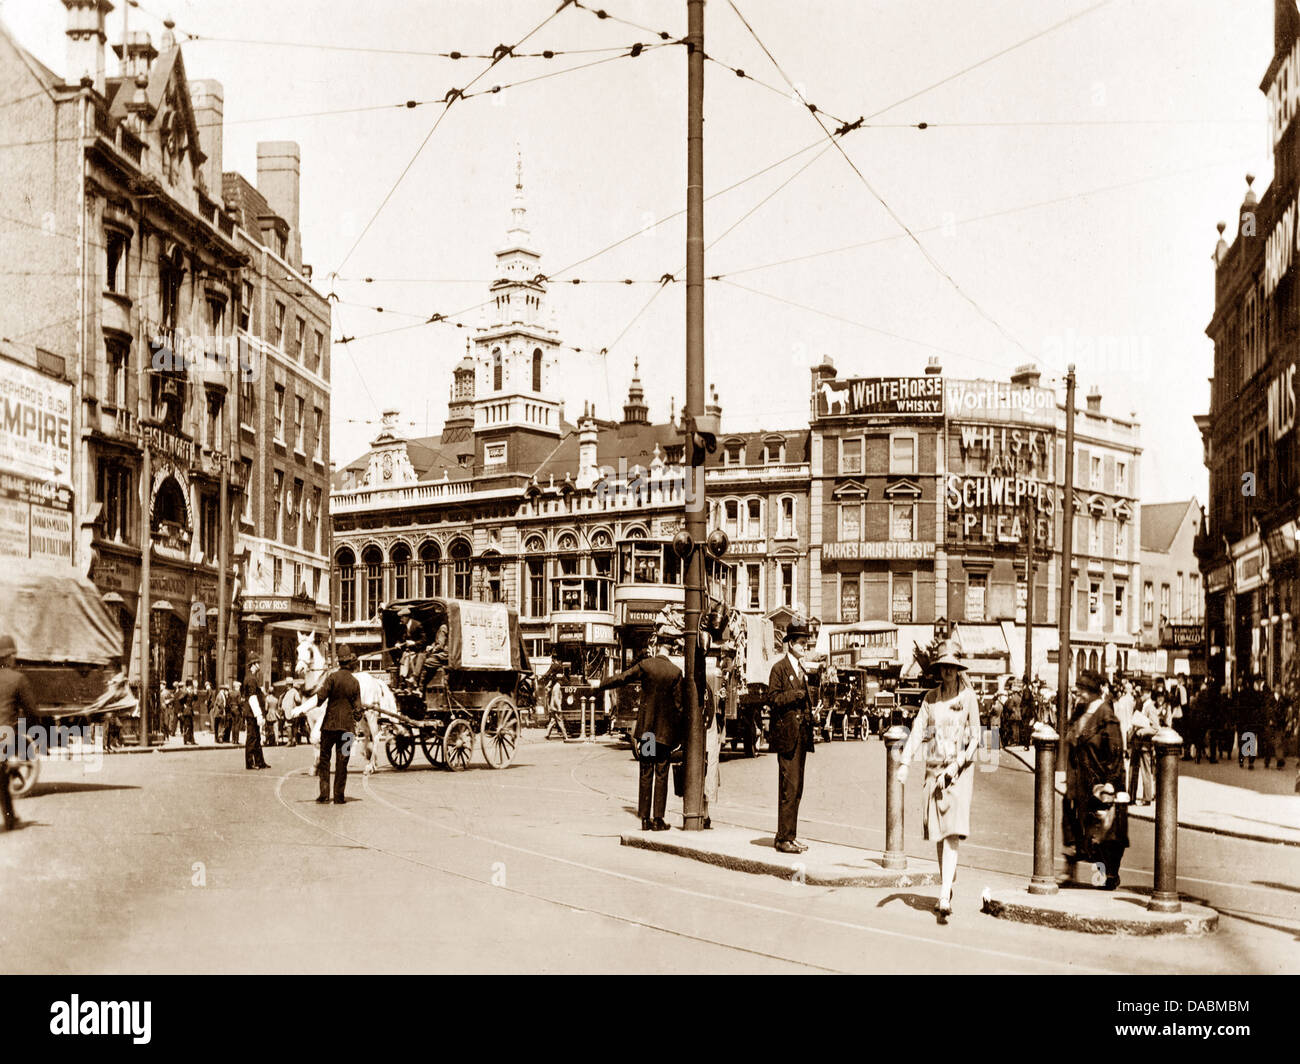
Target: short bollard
[
  {"x": 1044, "y": 738},
  {"x": 894, "y": 857},
  {"x": 1164, "y": 896}
]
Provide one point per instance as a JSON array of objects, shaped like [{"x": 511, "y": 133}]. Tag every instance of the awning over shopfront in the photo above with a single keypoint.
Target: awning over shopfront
[
  {"x": 982, "y": 646},
  {"x": 1047, "y": 639}
]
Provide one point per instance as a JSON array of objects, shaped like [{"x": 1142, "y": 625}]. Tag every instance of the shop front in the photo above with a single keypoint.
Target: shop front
[{"x": 272, "y": 624}]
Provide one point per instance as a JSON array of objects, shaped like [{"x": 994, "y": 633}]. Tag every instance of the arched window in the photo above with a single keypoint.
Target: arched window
[
  {"x": 169, "y": 506},
  {"x": 602, "y": 554},
  {"x": 373, "y": 560},
  {"x": 537, "y": 369},
  {"x": 430, "y": 556},
  {"x": 400, "y": 556},
  {"x": 496, "y": 369},
  {"x": 460, "y": 569},
  {"x": 345, "y": 565},
  {"x": 636, "y": 532},
  {"x": 535, "y": 577}
]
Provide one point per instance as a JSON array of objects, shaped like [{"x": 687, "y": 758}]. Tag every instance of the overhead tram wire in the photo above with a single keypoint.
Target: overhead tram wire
[
  {"x": 602, "y": 14},
  {"x": 453, "y": 55},
  {"x": 1002, "y": 213},
  {"x": 412, "y": 104},
  {"x": 452, "y": 96},
  {"x": 967, "y": 69},
  {"x": 860, "y": 324},
  {"x": 934, "y": 263}
]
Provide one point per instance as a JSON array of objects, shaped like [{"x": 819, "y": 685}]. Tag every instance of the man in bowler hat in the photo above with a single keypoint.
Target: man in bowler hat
[
  {"x": 791, "y": 734},
  {"x": 658, "y": 725}
]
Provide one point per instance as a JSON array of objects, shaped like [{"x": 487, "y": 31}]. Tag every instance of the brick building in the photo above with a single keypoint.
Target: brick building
[
  {"x": 132, "y": 272},
  {"x": 511, "y": 502},
  {"x": 1248, "y": 549}
]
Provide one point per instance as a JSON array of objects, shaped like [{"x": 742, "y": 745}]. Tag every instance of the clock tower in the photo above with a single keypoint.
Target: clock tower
[
  {"x": 389, "y": 463},
  {"x": 516, "y": 356}
]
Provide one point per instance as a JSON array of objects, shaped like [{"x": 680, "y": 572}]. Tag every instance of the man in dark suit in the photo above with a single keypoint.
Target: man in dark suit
[
  {"x": 791, "y": 734},
  {"x": 658, "y": 726},
  {"x": 17, "y": 706},
  {"x": 254, "y": 715},
  {"x": 340, "y": 694}
]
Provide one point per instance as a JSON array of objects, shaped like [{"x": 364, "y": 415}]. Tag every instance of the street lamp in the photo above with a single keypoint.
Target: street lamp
[{"x": 157, "y": 614}]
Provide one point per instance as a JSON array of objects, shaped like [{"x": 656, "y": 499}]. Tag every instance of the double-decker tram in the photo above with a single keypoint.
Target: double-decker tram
[{"x": 649, "y": 576}]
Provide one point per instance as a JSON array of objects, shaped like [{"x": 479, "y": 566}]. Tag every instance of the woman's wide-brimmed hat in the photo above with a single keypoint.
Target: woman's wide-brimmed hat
[{"x": 948, "y": 656}]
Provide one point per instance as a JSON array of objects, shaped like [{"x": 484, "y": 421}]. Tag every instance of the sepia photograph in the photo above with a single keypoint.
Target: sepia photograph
[{"x": 522, "y": 487}]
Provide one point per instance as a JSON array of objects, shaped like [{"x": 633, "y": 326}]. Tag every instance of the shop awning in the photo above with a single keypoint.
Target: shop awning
[{"x": 980, "y": 640}]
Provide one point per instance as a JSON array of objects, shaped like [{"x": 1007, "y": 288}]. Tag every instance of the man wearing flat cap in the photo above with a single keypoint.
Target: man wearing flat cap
[
  {"x": 1095, "y": 813},
  {"x": 659, "y": 724},
  {"x": 791, "y": 734}
]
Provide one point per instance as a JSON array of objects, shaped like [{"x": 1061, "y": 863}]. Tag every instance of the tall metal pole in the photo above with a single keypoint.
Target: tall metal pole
[
  {"x": 693, "y": 798},
  {"x": 144, "y": 603},
  {"x": 145, "y": 606},
  {"x": 328, "y": 518},
  {"x": 1032, "y": 522},
  {"x": 223, "y": 531},
  {"x": 1067, "y": 572}
]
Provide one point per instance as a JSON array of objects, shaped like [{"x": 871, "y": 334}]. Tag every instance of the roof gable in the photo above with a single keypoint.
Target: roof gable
[{"x": 1161, "y": 522}]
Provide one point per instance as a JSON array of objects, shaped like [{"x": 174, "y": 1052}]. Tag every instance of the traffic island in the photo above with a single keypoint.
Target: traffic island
[
  {"x": 824, "y": 864},
  {"x": 1121, "y": 911}
]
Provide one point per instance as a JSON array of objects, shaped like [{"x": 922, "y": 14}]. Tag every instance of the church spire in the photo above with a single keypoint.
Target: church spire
[{"x": 517, "y": 236}]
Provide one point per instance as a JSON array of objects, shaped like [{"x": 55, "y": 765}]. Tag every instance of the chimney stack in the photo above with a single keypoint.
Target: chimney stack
[
  {"x": 1094, "y": 399},
  {"x": 714, "y": 408},
  {"x": 933, "y": 367},
  {"x": 86, "y": 38},
  {"x": 208, "y": 99},
  {"x": 1027, "y": 375},
  {"x": 278, "y": 166}
]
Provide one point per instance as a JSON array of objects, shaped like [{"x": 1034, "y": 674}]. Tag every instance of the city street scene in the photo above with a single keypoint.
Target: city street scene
[{"x": 681, "y": 488}]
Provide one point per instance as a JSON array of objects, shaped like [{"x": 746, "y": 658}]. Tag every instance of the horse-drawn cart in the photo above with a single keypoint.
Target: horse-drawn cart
[
  {"x": 471, "y": 694},
  {"x": 69, "y": 649}
]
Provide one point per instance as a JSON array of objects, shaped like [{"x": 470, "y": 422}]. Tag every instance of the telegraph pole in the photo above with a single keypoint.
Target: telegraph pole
[
  {"x": 223, "y": 516},
  {"x": 1031, "y": 521},
  {"x": 1067, "y": 574},
  {"x": 693, "y": 798}
]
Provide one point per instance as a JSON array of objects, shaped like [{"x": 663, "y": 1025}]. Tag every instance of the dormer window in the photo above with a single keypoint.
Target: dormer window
[{"x": 734, "y": 452}]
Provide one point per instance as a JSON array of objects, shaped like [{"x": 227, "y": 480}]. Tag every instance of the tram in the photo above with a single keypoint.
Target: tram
[{"x": 649, "y": 577}]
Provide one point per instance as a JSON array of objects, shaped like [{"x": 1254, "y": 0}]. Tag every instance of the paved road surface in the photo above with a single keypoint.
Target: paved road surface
[{"x": 185, "y": 862}]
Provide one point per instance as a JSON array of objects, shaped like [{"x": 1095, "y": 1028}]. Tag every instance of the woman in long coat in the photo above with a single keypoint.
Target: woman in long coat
[
  {"x": 948, "y": 724},
  {"x": 1096, "y": 805}
]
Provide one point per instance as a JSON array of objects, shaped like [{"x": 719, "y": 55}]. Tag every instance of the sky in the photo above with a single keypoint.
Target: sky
[{"x": 1061, "y": 200}]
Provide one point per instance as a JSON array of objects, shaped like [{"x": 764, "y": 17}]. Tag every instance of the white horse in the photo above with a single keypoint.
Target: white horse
[
  {"x": 834, "y": 397},
  {"x": 375, "y": 695}
]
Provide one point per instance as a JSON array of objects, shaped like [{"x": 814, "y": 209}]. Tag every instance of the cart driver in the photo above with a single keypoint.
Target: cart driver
[
  {"x": 412, "y": 667},
  {"x": 436, "y": 657}
]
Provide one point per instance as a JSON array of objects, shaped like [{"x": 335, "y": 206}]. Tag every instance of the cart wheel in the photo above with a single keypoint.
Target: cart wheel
[
  {"x": 499, "y": 732},
  {"x": 400, "y": 749},
  {"x": 22, "y": 777},
  {"x": 458, "y": 745},
  {"x": 431, "y": 743}
]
